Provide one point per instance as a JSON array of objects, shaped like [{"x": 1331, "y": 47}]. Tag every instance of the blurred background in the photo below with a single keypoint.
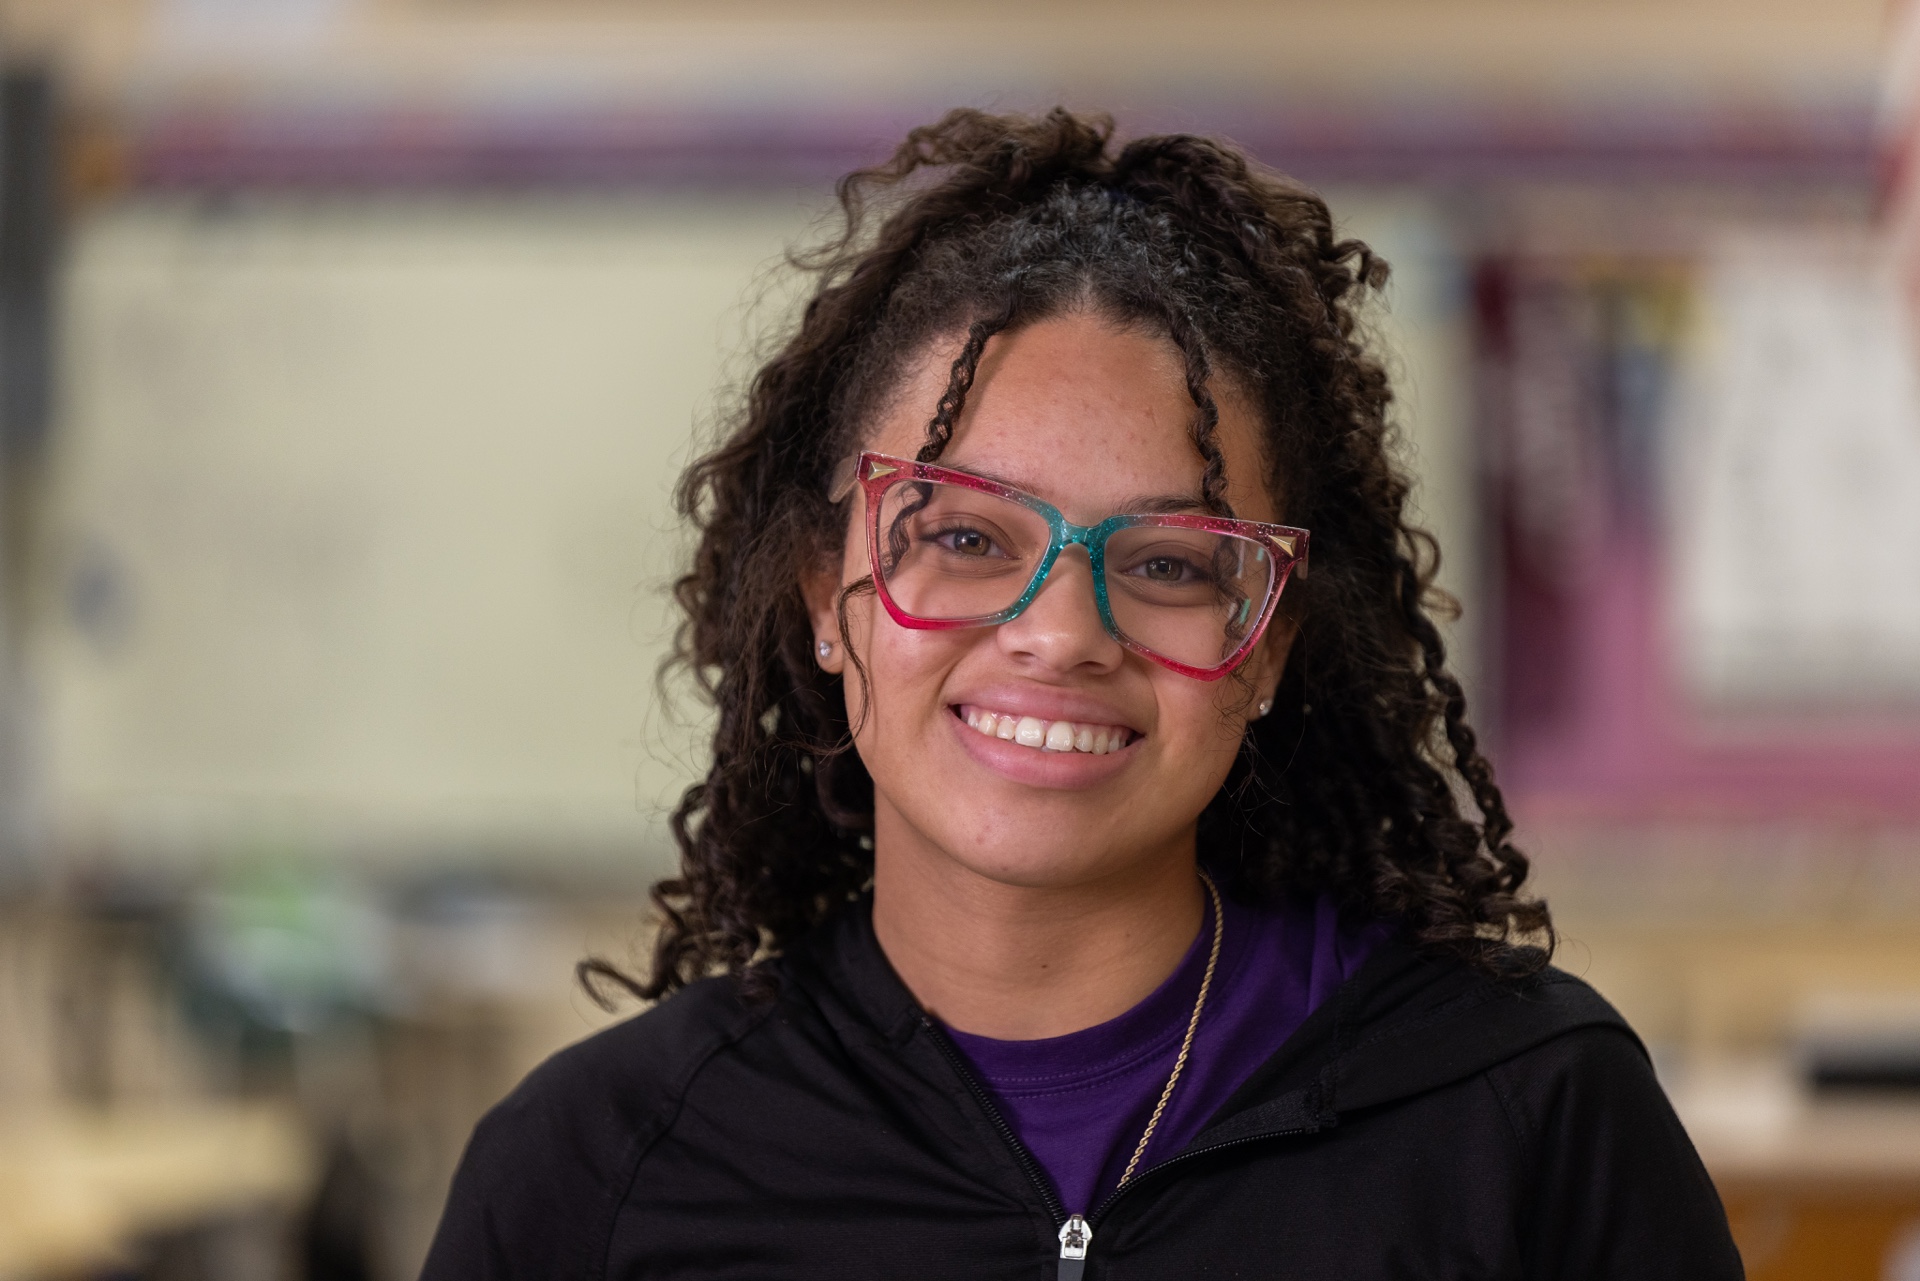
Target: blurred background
[{"x": 349, "y": 350}]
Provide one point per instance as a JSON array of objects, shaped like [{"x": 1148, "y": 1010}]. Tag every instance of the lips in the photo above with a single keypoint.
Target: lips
[{"x": 1046, "y": 735}]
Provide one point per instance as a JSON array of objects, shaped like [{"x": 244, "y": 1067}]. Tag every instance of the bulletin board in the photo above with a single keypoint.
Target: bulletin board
[{"x": 1707, "y": 553}]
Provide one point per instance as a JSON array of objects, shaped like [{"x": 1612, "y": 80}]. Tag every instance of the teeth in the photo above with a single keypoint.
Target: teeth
[{"x": 1047, "y": 736}]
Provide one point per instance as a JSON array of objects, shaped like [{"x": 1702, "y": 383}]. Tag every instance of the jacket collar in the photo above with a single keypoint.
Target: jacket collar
[
  {"x": 1405, "y": 1023},
  {"x": 845, "y": 956}
]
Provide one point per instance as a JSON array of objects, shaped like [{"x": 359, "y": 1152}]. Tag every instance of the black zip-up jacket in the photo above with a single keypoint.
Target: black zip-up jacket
[{"x": 1424, "y": 1122}]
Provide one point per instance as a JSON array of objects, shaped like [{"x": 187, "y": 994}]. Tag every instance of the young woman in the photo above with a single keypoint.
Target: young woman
[{"x": 1096, "y": 876}]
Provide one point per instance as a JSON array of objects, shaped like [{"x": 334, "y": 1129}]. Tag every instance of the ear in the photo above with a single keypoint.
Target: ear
[
  {"x": 1269, "y": 661},
  {"x": 820, "y": 588}
]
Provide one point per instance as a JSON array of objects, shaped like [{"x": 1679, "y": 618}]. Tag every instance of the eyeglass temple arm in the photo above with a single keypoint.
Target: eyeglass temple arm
[
  {"x": 1299, "y": 558},
  {"x": 840, "y": 484}
]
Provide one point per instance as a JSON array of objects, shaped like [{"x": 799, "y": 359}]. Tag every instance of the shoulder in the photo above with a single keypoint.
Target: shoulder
[
  {"x": 1585, "y": 1071},
  {"x": 1548, "y": 1042},
  {"x": 1410, "y": 1021},
  {"x": 1550, "y": 1030},
  {"x": 1580, "y": 1071},
  {"x": 547, "y": 1167},
  {"x": 625, "y": 1072},
  {"x": 1552, "y": 1005},
  {"x": 1564, "y": 1039},
  {"x": 1612, "y": 1184},
  {"x": 1614, "y": 1187}
]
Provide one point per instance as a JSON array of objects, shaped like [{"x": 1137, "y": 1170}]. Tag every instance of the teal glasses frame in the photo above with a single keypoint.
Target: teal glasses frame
[{"x": 876, "y": 473}]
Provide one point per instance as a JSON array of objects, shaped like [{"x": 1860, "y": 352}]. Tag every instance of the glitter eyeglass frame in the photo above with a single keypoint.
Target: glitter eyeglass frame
[{"x": 876, "y": 473}]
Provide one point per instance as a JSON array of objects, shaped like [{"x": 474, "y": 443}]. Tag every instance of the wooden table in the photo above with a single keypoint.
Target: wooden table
[
  {"x": 1817, "y": 1187},
  {"x": 79, "y": 1189}
]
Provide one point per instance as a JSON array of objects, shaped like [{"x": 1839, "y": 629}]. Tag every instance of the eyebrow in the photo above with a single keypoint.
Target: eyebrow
[
  {"x": 1138, "y": 505},
  {"x": 1163, "y": 504}
]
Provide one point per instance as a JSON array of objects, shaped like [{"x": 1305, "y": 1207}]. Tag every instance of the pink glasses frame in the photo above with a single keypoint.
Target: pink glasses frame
[{"x": 877, "y": 473}]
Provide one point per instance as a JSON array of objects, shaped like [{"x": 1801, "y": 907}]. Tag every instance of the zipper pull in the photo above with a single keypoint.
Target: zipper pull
[{"x": 1076, "y": 1234}]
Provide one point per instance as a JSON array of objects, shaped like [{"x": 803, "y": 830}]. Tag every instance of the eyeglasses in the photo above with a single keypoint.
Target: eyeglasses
[{"x": 950, "y": 549}]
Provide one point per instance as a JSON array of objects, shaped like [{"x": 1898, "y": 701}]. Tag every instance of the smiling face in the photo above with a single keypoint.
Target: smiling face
[{"x": 1042, "y": 752}]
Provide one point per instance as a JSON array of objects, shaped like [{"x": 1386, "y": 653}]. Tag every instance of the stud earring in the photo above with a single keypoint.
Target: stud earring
[
  {"x": 1266, "y": 705},
  {"x": 825, "y": 649}
]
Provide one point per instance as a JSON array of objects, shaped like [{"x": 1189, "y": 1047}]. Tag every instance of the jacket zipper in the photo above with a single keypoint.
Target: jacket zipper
[
  {"x": 1040, "y": 1182},
  {"x": 1076, "y": 1230},
  {"x": 1101, "y": 1211},
  {"x": 1077, "y": 1233}
]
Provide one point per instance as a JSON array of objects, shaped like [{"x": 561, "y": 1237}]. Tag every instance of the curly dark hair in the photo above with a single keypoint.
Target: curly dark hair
[{"x": 1356, "y": 784}]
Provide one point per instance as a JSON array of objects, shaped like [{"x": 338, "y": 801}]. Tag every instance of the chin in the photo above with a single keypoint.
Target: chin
[{"x": 1008, "y": 857}]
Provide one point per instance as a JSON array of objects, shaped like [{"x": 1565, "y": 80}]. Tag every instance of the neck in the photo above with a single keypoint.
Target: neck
[{"x": 1022, "y": 962}]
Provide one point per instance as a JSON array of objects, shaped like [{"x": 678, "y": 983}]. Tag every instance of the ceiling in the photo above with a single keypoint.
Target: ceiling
[
  {"x": 245, "y": 89},
  {"x": 1514, "y": 50}
]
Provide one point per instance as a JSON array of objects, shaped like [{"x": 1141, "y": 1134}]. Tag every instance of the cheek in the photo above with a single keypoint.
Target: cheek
[
  {"x": 1203, "y": 716},
  {"x": 906, "y": 668},
  {"x": 1200, "y": 734}
]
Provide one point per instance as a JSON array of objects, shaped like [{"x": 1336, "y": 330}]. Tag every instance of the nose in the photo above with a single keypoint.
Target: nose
[{"x": 1061, "y": 628}]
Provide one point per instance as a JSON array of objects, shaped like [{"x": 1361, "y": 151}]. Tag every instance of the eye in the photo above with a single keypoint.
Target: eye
[
  {"x": 965, "y": 542},
  {"x": 1167, "y": 569}
]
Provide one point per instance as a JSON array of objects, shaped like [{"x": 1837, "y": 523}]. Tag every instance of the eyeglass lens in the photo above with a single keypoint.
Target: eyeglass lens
[{"x": 949, "y": 553}]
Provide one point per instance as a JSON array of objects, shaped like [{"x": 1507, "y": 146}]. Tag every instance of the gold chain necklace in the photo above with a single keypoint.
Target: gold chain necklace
[{"x": 1076, "y": 1233}]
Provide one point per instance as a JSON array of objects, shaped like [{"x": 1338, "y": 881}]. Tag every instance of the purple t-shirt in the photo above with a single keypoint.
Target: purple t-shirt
[{"x": 1079, "y": 1102}]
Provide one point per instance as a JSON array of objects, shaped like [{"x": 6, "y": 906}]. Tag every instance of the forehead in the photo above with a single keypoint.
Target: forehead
[{"x": 1086, "y": 413}]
